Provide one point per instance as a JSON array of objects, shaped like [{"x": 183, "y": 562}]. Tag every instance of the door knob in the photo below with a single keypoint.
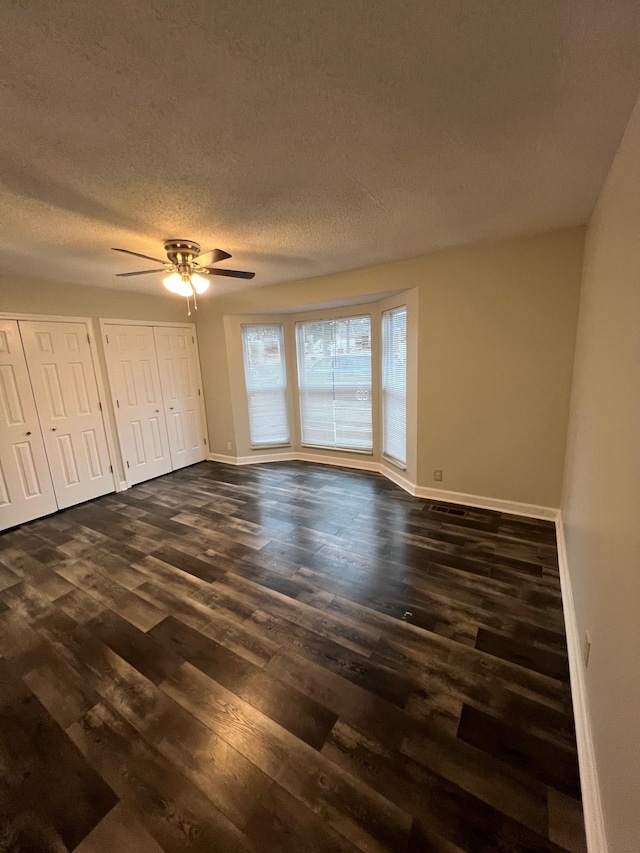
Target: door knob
[
  {"x": 28, "y": 433},
  {"x": 157, "y": 410},
  {"x": 171, "y": 408},
  {"x": 53, "y": 429}
]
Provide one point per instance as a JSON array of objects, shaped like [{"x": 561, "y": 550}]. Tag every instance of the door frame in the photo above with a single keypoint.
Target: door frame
[
  {"x": 110, "y": 321},
  {"x": 87, "y": 322}
]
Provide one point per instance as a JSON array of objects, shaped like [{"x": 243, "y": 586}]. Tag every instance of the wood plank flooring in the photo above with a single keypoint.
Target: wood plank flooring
[{"x": 283, "y": 658}]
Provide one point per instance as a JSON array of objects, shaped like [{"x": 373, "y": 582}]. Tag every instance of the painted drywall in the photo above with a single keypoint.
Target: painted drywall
[
  {"x": 495, "y": 337},
  {"x": 601, "y": 497},
  {"x": 35, "y": 296}
]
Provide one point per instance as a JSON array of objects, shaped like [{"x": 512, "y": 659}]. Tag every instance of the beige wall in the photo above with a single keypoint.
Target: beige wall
[
  {"x": 497, "y": 335},
  {"x": 35, "y": 296},
  {"x": 495, "y": 331},
  {"x": 601, "y": 498}
]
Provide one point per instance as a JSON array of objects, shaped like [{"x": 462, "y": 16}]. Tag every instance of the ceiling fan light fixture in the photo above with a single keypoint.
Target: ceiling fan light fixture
[
  {"x": 199, "y": 283},
  {"x": 183, "y": 274},
  {"x": 176, "y": 284}
]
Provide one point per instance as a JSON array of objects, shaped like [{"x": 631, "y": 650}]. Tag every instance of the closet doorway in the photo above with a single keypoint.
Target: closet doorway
[
  {"x": 156, "y": 389},
  {"x": 53, "y": 441}
]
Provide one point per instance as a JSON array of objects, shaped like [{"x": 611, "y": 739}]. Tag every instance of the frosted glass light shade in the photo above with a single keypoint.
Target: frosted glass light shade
[
  {"x": 199, "y": 283},
  {"x": 175, "y": 284}
]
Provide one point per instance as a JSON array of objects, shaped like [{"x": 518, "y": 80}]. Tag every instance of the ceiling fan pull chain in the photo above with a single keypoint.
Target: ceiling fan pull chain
[
  {"x": 188, "y": 307},
  {"x": 195, "y": 301}
]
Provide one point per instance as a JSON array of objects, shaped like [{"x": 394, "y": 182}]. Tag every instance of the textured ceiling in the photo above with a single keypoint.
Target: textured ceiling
[{"x": 303, "y": 136}]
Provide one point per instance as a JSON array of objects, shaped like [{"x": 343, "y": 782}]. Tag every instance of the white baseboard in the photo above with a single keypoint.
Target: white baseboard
[
  {"x": 481, "y": 502},
  {"x": 366, "y": 464},
  {"x": 591, "y": 802},
  {"x": 292, "y": 456},
  {"x": 278, "y": 456},
  {"x": 396, "y": 477},
  {"x": 220, "y": 457}
]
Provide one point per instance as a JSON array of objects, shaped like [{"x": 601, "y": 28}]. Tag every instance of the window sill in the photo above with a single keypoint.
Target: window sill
[
  {"x": 396, "y": 464},
  {"x": 269, "y": 446},
  {"x": 338, "y": 449}
]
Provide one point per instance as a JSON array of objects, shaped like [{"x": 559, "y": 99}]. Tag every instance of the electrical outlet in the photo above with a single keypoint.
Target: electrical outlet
[
  {"x": 437, "y": 475},
  {"x": 228, "y": 445},
  {"x": 587, "y": 648}
]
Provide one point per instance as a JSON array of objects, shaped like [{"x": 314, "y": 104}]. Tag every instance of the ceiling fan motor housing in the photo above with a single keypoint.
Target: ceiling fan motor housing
[{"x": 181, "y": 251}]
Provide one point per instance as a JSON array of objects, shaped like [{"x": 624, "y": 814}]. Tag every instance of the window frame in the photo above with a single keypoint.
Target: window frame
[
  {"x": 300, "y": 389},
  {"x": 398, "y": 463},
  {"x": 285, "y": 389}
]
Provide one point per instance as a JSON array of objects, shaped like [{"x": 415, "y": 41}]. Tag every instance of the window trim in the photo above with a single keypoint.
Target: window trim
[
  {"x": 271, "y": 444},
  {"x": 384, "y": 454},
  {"x": 300, "y": 390}
]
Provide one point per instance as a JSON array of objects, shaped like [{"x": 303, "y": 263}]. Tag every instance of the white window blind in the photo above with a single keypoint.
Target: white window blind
[
  {"x": 334, "y": 379},
  {"x": 394, "y": 384},
  {"x": 266, "y": 381}
]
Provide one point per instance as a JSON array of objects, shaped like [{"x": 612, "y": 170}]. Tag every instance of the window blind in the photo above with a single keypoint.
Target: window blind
[
  {"x": 334, "y": 380},
  {"x": 394, "y": 384},
  {"x": 266, "y": 382}
]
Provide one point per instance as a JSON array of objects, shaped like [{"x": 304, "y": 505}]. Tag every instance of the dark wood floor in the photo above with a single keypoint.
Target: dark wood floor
[{"x": 283, "y": 658}]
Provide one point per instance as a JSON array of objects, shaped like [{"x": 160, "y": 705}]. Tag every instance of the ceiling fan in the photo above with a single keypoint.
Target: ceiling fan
[{"x": 184, "y": 275}]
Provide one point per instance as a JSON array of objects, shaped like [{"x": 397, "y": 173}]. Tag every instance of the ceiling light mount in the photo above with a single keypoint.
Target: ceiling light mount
[{"x": 181, "y": 251}]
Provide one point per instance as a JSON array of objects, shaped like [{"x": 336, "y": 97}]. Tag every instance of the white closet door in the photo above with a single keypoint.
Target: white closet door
[
  {"x": 137, "y": 400},
  {"x": 26, "y": 490},
  {"x": 180, "y": 381},
  {"x": 64, "y": 386}
]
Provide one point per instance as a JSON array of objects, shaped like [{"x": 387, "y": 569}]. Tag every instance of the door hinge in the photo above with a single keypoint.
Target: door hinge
[
  {"x": 100, "y": 405},
  {"x": 88, "y": 339},
  {"x": 128, "y": 466},
  {"x": 107, "y": 338},
  {"x": 205, "y": 441},
  {"x": 198, "y": 392},
  {"x": 118, "y": 403},
  {"x": 111, "y": 468},
  {"x": 193, "y": 340}
]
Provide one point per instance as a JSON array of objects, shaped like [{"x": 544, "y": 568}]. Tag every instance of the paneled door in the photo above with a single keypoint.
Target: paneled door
[
  {"x": 137, "y": 400},
  {"x": 26, "y": 490},
  {"x": 66, "y": 394},
  {"x": 180, "y": 381}
]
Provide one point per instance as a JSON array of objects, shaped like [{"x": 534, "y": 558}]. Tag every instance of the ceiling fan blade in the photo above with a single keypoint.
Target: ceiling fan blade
[
  {"x": 138, "y": 255},
  {"x": 140, "y": 272},
  {"x": 218, "y": 255},
  {"x": 230, "y": 273}
]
